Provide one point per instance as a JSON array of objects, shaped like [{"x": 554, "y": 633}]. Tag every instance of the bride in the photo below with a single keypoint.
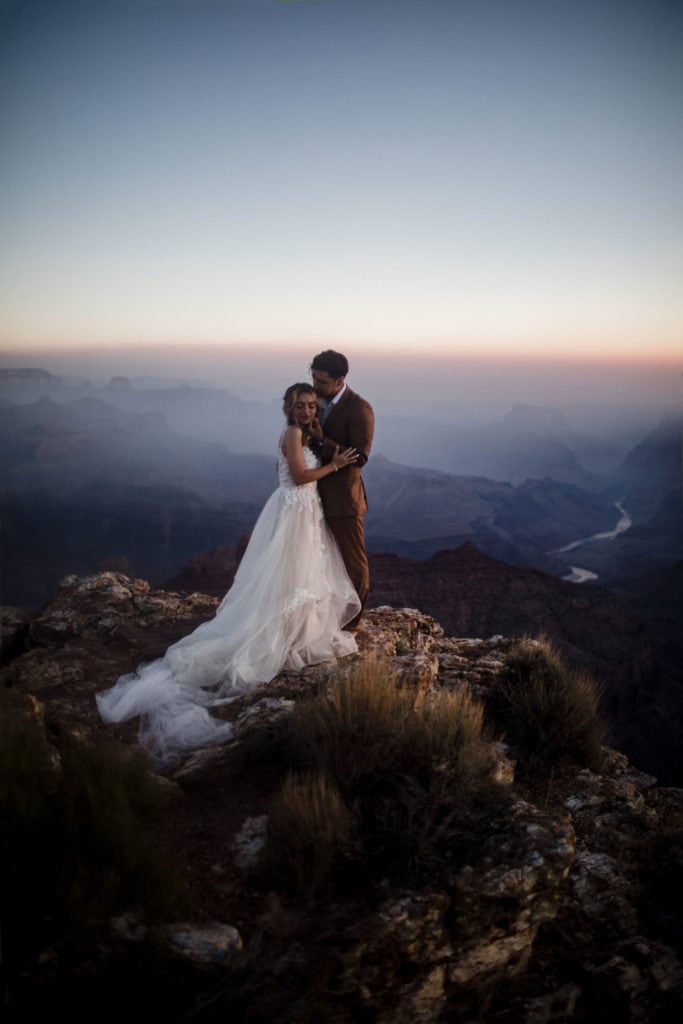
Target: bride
[{"x": 286, "y": 608}]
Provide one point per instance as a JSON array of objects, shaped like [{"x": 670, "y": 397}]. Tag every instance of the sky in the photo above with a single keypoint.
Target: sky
[{"x": 434, "y": 179}]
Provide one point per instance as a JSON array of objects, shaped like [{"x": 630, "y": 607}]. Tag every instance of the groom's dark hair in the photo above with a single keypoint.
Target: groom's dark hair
[{"x": 331, "y": 362}]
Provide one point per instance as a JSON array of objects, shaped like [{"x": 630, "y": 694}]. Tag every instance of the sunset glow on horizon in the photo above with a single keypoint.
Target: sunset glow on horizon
[
  {"x": 446, "y": 179},
  {"x": 548, "y": 352}
]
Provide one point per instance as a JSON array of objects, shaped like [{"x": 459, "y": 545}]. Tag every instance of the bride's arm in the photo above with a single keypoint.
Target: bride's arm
[{"x": 292, "y": 446}]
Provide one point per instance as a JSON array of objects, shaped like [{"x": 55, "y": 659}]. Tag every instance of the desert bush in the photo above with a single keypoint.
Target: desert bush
[
  {"x": 406, "y": 775},
  {"x": 370, "y": 724},
  {"x": 361, "y": 725},
  {"x": 76, "y": 842},
  {"x": 311, "y": 833},
  {"x": 547, "y": 711}
]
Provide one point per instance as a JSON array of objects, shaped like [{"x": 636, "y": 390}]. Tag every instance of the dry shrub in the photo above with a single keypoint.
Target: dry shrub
[
  {"x": 356, "y": 729},
  {"x": 412, "y": 773},
  {"x": 371, "y": 724},
  {"x": 311, "y": 833},
  {"x": 548, "y": 712},
  {"x": 450, "y": 729}
]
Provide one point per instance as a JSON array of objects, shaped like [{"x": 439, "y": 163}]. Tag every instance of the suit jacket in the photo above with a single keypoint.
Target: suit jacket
[{"x": 350, "y": 423}]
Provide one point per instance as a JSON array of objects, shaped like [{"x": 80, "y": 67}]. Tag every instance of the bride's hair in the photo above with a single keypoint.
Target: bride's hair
[{"x": 291, "y": 395}]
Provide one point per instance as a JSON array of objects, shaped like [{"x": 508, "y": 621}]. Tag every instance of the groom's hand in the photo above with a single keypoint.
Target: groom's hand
[{"x": 316, "y": 430}]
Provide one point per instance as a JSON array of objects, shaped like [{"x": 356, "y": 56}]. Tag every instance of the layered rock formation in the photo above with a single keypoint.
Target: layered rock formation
[{"x": 571, "y": 912}]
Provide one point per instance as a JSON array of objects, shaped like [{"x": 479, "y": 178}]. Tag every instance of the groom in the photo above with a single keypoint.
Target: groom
[{"x": 347, "y": 420}]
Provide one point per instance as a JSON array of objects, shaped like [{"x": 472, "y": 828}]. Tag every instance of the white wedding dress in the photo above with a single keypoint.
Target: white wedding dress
[{"x": 290, "y": 598}]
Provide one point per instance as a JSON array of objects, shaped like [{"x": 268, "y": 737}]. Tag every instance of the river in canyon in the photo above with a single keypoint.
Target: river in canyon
[{"x": 579, "y": 575}]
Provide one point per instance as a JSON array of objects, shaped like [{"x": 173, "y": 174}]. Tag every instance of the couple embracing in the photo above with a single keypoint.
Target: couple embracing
[{"x": 303, "y": 577}]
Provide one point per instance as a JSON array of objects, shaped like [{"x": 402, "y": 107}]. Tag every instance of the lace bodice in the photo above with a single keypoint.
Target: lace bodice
[
  {"x": 301, "y": 496},
  {"x": 310, "y": 462}
]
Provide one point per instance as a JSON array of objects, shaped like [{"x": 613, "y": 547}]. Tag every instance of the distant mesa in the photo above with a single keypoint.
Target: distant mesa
[
  {"x": 119, "y": 384},
  {"x": 538, "y": 418},
  {"x": 27, "y": 377}
]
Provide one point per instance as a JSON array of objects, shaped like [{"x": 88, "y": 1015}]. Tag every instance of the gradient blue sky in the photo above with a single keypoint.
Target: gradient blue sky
[{"x": 478, "y": 177}]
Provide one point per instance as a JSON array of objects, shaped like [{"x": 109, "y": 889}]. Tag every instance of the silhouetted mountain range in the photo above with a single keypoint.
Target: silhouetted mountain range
[
  {"x": 209, "y": 414},
  {"x": 530, "y": 441},
  {"x": 66, "y": 458},
  {"x": 69, "y": 444},
  {"x": 416, "y": 512},
  {"x": 86, "y": 483},
  {"x": 652, "y": 470}
]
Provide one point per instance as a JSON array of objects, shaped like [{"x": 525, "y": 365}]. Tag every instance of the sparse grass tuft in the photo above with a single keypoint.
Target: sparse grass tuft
[
  {"x": 311, "y": 832},
  {"x": 548, "y": 712},
  {"x": 356, "y": 729},
  {"x": 399, "y": 780},
  {"x": 370, "y": 724}
]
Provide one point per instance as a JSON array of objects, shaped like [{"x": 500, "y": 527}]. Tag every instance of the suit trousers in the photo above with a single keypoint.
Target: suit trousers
[{"x": 349, "y": 532}]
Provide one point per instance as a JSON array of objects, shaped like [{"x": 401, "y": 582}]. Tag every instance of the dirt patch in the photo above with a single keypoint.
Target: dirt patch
[{"x": 199, "y": 830}]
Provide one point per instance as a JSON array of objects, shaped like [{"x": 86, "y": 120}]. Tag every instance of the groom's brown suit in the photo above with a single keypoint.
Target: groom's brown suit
[{"x": 350, "y": 423}]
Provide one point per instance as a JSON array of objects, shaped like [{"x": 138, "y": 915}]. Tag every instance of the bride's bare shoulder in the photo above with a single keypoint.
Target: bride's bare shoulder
[{"x": 292, "y": 435}]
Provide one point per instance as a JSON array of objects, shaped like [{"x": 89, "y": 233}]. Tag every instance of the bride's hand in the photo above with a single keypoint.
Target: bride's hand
[{"x": 344, "y": 458}]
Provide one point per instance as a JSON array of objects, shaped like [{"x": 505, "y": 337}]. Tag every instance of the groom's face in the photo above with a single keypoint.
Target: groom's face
[{"x": 326, "y": 386}]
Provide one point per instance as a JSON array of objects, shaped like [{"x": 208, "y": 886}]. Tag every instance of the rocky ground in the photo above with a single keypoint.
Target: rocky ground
[{"x": 572, "y": 914}]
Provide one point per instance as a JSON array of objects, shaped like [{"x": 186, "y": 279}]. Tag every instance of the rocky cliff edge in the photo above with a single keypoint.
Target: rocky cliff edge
[{"x": 572, "y": 913}]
